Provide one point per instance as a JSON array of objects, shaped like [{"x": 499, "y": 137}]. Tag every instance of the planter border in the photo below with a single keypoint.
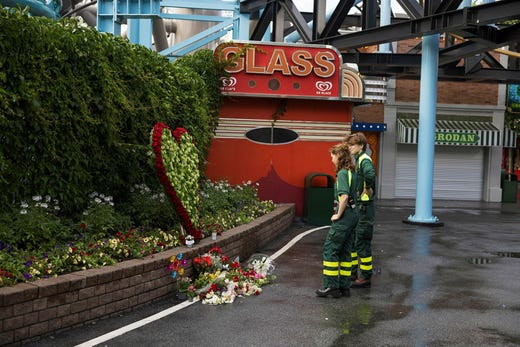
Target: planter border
[{"x": 30, "y": 310}]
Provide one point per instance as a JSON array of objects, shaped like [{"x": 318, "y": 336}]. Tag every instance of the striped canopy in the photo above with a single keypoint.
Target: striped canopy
[
  {"x": 509, "y": 138},
  {"x": 451, "y": 132}
]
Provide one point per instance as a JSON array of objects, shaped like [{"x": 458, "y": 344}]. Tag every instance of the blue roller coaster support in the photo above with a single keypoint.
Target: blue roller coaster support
[{"x": 50, "y": 9}]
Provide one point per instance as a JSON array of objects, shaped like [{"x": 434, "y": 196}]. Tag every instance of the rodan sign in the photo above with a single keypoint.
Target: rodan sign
[{"x": 284, "y": 70}]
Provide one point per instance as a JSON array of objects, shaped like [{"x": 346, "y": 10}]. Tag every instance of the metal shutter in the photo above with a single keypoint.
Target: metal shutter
[{"x": 458, "y": 172}]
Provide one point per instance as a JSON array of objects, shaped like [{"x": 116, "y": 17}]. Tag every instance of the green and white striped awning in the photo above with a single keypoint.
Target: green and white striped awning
[
  {"x": 509, "y": 138},
  {"x": 450, "y": 132}
]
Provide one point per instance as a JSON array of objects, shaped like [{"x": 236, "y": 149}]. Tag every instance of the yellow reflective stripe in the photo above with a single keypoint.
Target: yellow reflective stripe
[
  {"x": 365, "y": 267},
  {"x": 353, "y": 254},
  {"x": 330, "y": 263},
  {"x": 354, "y": 262},
  {"x": 361, "y": 158},
  {"x": 366, "y": 260},
  {"x": 331, "y": 272},
  {"x": 345, "y": 273},
  {"x": 345, "y": 264}
]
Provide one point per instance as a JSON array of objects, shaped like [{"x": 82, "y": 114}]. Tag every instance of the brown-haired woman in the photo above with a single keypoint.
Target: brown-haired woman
[{"x": 336, "y": 249}]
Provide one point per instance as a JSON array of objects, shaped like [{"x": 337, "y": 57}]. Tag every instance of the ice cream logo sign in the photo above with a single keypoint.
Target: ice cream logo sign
[{"x": 307, "y": 71}]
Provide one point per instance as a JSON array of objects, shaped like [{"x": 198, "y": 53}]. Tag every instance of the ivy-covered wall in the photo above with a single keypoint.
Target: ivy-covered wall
[{"x": 77, "y": 107}]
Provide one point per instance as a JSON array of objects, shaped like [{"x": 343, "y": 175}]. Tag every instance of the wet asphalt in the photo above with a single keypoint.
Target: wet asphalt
[{"x": 455, "y": 285}]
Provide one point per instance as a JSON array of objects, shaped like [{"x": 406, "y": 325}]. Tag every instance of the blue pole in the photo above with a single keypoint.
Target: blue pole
[
  {"x": 426, "y": 141},
  {"x": 385, "y": 19}
]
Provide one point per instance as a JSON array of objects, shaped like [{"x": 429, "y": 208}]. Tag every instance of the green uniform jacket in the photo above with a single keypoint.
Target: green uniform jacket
[{"x": 366, "y": 175}]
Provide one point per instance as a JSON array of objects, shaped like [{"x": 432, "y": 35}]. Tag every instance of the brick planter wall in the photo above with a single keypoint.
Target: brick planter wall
[{"x": 29, "y": 310}]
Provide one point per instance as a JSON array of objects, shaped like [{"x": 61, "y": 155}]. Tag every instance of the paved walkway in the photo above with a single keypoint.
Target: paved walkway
[{"x": 456, "y": 285}]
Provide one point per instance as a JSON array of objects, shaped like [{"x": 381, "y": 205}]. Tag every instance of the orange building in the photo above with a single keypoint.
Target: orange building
[{"x": 285, "y": 106}]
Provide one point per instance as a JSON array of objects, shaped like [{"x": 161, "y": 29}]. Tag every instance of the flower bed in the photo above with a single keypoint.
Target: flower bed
[{"x": 29, "y": 310}]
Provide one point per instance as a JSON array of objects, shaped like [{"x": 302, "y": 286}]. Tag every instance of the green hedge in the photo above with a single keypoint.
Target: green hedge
[{"x": 77, "y": 107}]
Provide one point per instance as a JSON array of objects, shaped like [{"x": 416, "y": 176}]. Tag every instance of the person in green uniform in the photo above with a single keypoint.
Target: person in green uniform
[
  {"x": 336, "y": 249},
  {"x": 366, "y": 179}
]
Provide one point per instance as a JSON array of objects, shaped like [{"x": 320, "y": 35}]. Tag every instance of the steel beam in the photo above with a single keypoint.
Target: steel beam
[
  {"x": 249, "y": 6},
  {"x": 297, "y": 19},
  {"x": 412, "y": 8},
  {"x": 448, "y": 5},
  {"x": 450, "y": 21},
  {"x": 336, "y": 19},
  {"x": 263, "y": 22}
]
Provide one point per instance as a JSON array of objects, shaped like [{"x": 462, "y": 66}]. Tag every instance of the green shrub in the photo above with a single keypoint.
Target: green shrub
[
  {"x": 224, "y": 206},
  {"x": 36, "y": 224},
  {"x": 101, "y": 218},
  {"x": 77, "y": 106},
  {"x": 150, "y": 208}
]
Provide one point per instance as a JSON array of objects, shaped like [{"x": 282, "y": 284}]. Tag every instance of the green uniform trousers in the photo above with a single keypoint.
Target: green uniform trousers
[
  {"x": 361, "y": 245},
  {"x": 336, "y": 251}
]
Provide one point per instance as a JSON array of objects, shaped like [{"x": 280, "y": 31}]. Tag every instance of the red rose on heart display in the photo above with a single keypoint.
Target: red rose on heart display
[{"x": 177, "y": 164}]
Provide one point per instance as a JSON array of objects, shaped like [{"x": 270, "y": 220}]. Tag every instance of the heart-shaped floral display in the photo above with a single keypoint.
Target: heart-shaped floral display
[{"x": 177, "y": 164}]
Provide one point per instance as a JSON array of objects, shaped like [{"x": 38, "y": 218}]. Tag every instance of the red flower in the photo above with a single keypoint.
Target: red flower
[
  {"x": 215, "y": 251},
  {"x": 177, "y": 133},
  {"x": 207, "y": 260}
]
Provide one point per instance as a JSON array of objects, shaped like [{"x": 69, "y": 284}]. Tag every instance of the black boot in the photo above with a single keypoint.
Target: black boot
[{"x": 326, "y": 292}]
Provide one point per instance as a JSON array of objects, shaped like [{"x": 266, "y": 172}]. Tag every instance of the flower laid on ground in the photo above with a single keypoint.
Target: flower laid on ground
[
  {"x": 177, "y": 265},
  {"x": 217, "y": 280}
]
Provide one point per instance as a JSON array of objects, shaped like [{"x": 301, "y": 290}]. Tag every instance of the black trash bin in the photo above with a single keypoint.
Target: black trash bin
[
  {"x": 509, "y": 187},
  {"x": 319, "y": 196}
]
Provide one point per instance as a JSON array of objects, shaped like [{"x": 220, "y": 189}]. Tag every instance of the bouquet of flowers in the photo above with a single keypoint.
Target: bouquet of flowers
[
  {"x": 218, "y": 280},
  {"x": 177, "y": 265}
]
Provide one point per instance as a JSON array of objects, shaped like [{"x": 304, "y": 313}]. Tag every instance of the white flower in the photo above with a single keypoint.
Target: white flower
[
  {"x": 37, "y": 198},
  {"x": 263, "y": 266}
]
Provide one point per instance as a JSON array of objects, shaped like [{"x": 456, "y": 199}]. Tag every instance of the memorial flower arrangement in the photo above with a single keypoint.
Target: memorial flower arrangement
[
  {"x": 177, "y": 165},
  {"x": 217, "y": 280}
]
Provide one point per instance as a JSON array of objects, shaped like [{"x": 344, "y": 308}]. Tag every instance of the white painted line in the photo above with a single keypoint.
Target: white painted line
[
  {"x": 136, "y": 325},
  {"x": 173, "y": 309}
]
